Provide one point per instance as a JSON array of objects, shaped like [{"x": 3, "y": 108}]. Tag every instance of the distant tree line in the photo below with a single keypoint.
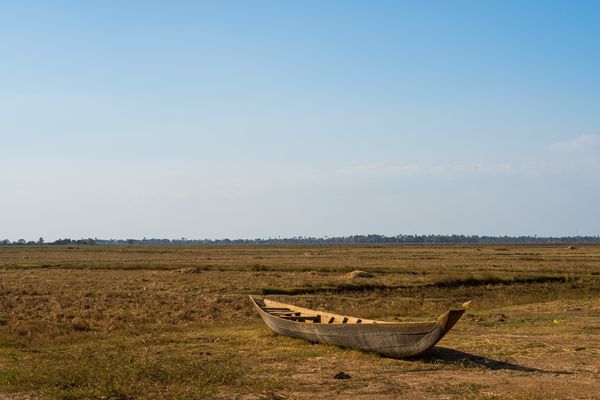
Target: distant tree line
[
  {"x": 354, "y": 239},
  {"x": 40, "y": 241}
]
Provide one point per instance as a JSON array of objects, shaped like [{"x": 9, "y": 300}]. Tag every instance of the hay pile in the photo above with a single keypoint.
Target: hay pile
[
  {"x": 189, "y": 270},
  {"x": 358, "y": 274}
]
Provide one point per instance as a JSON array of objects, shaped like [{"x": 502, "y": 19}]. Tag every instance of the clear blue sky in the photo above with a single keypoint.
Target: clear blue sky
[{"x": 283, "y": 118}]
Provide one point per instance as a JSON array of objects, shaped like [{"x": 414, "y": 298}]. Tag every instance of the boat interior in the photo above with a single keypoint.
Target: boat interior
[{"x": 298, "y": 314}]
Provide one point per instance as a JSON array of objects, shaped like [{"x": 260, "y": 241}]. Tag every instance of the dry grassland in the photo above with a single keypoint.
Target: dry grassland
[{"x": 173, "y": 322}]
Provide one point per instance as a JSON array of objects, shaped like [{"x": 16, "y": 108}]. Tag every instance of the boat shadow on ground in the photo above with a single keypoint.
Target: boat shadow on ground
[{"x": 455, "y": 357}]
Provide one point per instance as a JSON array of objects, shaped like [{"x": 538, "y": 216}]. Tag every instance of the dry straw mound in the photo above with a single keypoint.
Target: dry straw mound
[
  {"x": 358, "y": 274},
  {"x": 189, "y": 270}
]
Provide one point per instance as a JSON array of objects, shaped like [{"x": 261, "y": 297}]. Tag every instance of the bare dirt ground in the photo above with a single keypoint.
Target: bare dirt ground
[{"x": 173, "y": 322}]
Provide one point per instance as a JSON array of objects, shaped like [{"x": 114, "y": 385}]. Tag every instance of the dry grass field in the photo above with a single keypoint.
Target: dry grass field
[{"x": 173, "y": 322}]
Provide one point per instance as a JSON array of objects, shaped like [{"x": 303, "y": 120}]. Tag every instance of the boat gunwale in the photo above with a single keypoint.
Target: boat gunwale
[{"x": 386, "y": 324}]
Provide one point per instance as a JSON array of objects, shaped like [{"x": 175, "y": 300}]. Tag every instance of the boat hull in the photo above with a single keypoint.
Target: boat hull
[{"x": 399, "y": 340}]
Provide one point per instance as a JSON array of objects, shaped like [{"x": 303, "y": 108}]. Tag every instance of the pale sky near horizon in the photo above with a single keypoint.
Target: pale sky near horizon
[{"x": 282, "y": 118}]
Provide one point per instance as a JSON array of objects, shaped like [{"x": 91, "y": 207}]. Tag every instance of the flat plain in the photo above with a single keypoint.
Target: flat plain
[{"x": 174, "y": 322}]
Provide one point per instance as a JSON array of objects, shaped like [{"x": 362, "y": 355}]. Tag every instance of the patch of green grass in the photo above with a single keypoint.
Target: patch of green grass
[
  {"x": 447, "y": 282},
  {"x": 590, "y": 330},
  {"x": 470, "y": 281},
  {"x": 121, "y": 370}
]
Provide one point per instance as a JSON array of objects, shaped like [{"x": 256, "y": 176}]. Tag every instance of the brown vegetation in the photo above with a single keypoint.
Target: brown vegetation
[{"x": 172, "y": 322}]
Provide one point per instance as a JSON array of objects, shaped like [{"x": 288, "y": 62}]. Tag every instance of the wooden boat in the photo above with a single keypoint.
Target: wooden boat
[{"x": 391, "y": 339}]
